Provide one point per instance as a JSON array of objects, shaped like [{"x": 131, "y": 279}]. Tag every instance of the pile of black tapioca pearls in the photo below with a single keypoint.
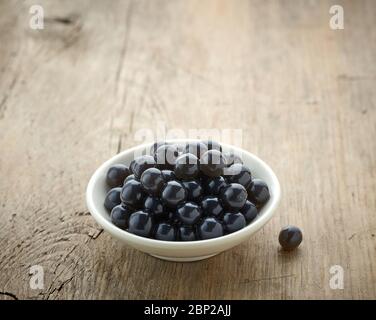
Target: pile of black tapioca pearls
[{"x": 184, "y": 193}]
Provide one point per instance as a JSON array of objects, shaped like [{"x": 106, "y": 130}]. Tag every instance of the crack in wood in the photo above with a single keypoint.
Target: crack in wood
[
  {"x": 62, "y": 20},
  {"x": 352, "y": 236},
  {"x": 124, "y": 48},
  {"x": 95, "y": 236},
  {"x": 268, "y": 278},
  {"x": 9, "y": 294},
  {"x": 3, "y": 102},
  {"x": 82, "y": 213},
  {"x": 59, "y": 288},
  {"x": 119, "y": 145}
]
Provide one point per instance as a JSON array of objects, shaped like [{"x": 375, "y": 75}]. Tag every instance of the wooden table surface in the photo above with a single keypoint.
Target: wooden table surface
[{"x": 75, "y": 93}]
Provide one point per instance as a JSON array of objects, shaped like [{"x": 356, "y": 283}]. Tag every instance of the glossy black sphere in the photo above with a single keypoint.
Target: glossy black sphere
[
  {"x": 168, "y": 175},
  {"x": 140, "y": 223},
  {"x": 194, "y": 190},
  {"x": 196, "y": 148},
  {"x": 210, "y": 228},
  {"x": 213, "y": 145},
  {"x": 165, "y": 231},
  {"x": 233, "y": 222},
  {"x": 239, "y": 173},
  {"x": 140, "y": 164},
  {"x": 187, "y": 167},
  {"x": 152, "y": 181},
  {"x": 290, "y": 237},
  {"x": 232, "y": 158},
  {"x": 132, "y": 194},
  {"x": 155, "y": 207},
  {"x": 213, "y": 186},
  {"x": 258, "y": 192},
  {"x": 211, "y": 206},
  {"x": 249, "y": 211},
  {"x": 120, "y": 216},
  {"x": 112, "y": 198},
  {"x": 186, "y": 233},
  {"x": 130, "y": 177},
  {"x": 189, "y": 213},
  {"x": 116, "y": 175},
  {"x": 173, "y": 194},
  {"x": 233, "y": 197},
  {"x": 165, "y": 156},
  {"x": 212, "y": 163}
]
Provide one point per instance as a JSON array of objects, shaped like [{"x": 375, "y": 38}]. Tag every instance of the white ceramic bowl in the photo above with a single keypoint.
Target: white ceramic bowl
[{"x": 181, "y": 251}]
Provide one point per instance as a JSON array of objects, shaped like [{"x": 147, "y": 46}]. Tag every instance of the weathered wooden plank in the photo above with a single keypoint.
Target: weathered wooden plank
[{"x": 77, "y": 92}]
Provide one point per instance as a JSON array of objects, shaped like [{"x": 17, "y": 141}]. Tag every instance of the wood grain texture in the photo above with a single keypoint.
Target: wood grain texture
[{"x": 74, "y": 94}]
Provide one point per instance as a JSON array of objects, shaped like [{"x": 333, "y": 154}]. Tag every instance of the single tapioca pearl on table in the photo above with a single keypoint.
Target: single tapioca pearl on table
[
  {"x": 116, "y": 175},
  {"x": 290, "y": 238},
  {"x": 112, "y": 198}
]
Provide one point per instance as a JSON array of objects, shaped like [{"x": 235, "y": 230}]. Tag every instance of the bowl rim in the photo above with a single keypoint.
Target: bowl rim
[{"x": 126, "y": 236}]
